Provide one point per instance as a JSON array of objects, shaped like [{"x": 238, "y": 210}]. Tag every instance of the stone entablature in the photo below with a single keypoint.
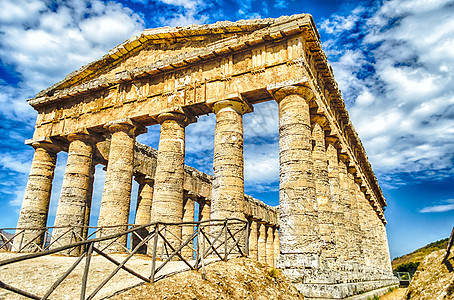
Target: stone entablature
[
  {"x": 257, "y": 210},
  {"x": 331, "y": 238}
]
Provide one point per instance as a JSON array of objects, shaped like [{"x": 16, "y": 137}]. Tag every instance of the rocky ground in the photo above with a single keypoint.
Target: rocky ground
[
  {"x": 434, "y": 279},
  {"x": 37, "y": 275},
  {"x": 239, "y": 278},
  {"x": 236, "y": 279},
  {"x": 397, "y": 294}
]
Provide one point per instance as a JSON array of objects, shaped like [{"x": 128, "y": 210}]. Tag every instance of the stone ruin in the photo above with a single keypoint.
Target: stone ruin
[{"x": 328, "y": 235}]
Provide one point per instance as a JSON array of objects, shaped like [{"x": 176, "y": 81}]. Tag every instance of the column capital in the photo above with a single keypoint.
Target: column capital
[
  {"x": 343, "y": 157},
  {"x": 181, "y": 118},
  {"x": 144, "y": 179},
  {"x": 235, "y": 102},
  {"x": 320, "y": 120},
  {"x": 45, "y": 143},
  {"x": 126, "y": 125},
  {"x": 283, "y": 89},
  {"x": 333, "y": 140},
  {"x": 83, "y": 136}
]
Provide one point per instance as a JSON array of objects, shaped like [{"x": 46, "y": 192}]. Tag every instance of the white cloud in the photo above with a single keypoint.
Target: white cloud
[
  {"x": 42, "y": 45},
  {"x": 261, "y": 147},
  {"x": 45, "y": 44},
  {"x": 188, "y": 4},
  {"x": 12, "y": 13},
  {"x": 189, "y": 13},
  {"x": 439, "y": 208},
  {"x": 397, "y": 82},
  {"x": 337, "y": 24},
  {"x": 280, "y": 4}
]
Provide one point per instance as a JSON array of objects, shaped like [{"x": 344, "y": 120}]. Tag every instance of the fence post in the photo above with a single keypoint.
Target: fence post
[
  {"x": 225, "y": 241},
  {"x": 204, "y": 272},
  {"x": 155, "y": 245},
  {"x": 246, "y": 239},
  {"x": 450, "y": 242},
  {"x": 197, "y": 253},
  {"x": 89, "y": 252}
]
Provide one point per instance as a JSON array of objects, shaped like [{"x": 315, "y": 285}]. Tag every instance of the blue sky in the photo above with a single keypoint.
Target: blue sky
[{"x": 393, "y": 60}]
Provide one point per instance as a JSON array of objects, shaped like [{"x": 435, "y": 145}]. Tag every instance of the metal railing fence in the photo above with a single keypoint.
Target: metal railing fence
[{"x": 214, "y": 239}]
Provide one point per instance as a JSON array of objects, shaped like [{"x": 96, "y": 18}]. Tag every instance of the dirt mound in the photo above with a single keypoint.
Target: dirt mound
[
  {"x": 239, "y": 278},
  {"x": 434, "y": 278}
]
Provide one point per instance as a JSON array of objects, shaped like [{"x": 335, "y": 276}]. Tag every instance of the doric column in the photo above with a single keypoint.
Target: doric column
[
  {"x": 75, "y": 196},
  {"x": 270, "y": 245},
  {"x": 116, "y": 196},
  {"x": 144, "y": 200},
  {"x": 228, "y": 166},
  {"x": 276, "y": 245},
  {"x": 364, "y": 224},
  {"x": 322, "y": 188},
  {"x": 169, "y": 178},
  {"x": 262, "y": 243},
  {"x": 35, "y": 206},
  {"x": 355, "y": 249},
  {"x": 143, "y": 210},
  {"x": 297, "y": 199},
  {"x": 339, "y": 233},
  {"x": 253, "y": 242},
  {"x": 204, "y": 209},
  {"x": 376, "y": 258},
  {"x": 385, "y": 248},
  {"x": 188, "y": 230},
  {"x": 91, "y": 180},
  {"x": 345, "y": 205}
]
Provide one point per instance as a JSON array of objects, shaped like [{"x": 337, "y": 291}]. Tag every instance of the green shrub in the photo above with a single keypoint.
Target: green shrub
[
  {"x": 407, "y": 267},
  {"x": 273, "y": 272}
]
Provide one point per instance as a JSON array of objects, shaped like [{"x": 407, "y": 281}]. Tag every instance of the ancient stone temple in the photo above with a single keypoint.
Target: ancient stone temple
[{"x": 328, "y": 234}]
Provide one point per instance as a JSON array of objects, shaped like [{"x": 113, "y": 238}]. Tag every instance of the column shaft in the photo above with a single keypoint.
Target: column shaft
[
  {"x": 322, "y": 187},
  {"x": 188, "y": 230},
  {"x": 204, "y": 210},
  {"x": 169, "y": 178},
  {"x": 253, "y": 242},
  {"x": 270, "y": 246},
  {"x": 143, "y": 212},
  {"x": 144, "y": 202},
  {"x": 297, "y": 198},
  {"x": 228, "y": 169},
  {"x": 74, "y": 196},
  {"x": 35, "y": 206},
  {"x": 385, "y": 248},
  {"x": 276, "y": 245},
  {"x": 262, "y": 243},
  {"x": 340, "y": 236},
  {"x": 91, "y": 180},
  {"x": 346, "y": 209},
  {"x": 355, "y": 248},
  {"x": 116, "y": 196},
  {"x": 364, "y": 224}
]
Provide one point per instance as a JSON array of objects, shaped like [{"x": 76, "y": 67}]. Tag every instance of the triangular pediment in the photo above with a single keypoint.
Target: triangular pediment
[{"x": 155, "y": 47}]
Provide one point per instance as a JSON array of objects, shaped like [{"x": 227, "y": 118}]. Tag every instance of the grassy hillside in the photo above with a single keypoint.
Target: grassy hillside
[{"x": 410, "y": 261}]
